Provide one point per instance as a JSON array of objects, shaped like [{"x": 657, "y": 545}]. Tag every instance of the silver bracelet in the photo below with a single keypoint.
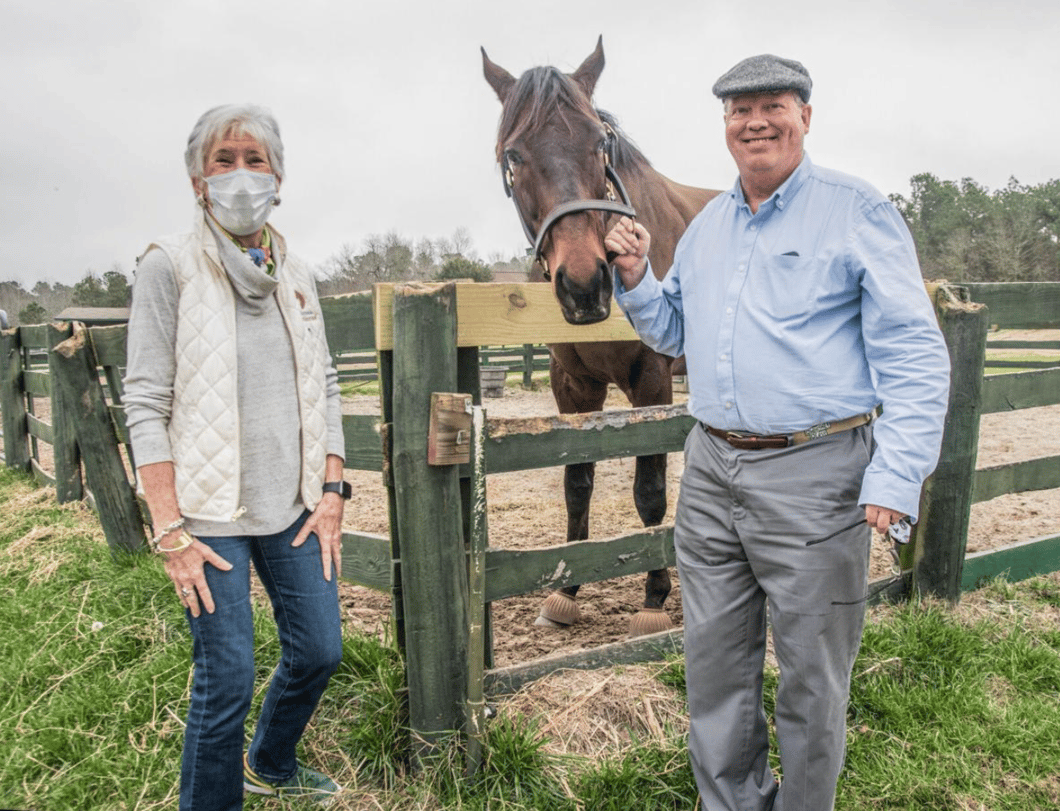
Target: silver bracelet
[{"x": 173, "y": 527}]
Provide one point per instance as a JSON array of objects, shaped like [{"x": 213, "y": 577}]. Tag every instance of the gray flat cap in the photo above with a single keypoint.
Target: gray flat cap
[{"x": 763, "y": 74}]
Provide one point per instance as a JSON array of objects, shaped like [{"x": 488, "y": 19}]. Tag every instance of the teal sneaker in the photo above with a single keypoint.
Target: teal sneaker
[{"x": 306, "y": 784}]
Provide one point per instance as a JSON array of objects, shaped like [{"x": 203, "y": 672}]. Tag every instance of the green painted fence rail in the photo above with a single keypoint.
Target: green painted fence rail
[{"x": 1020, "y": 305}]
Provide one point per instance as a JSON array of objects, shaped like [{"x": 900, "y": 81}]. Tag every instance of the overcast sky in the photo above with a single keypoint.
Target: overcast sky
[{"x": 389, "y": 125}]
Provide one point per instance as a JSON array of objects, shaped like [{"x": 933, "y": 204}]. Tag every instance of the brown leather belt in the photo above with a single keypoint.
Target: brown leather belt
[{"x": 755, "y": 442}]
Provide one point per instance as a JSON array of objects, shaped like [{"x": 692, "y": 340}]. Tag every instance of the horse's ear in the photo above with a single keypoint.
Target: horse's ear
[
  {"x": 499, "y": 79},
  {"x": 589, "y": 70}
]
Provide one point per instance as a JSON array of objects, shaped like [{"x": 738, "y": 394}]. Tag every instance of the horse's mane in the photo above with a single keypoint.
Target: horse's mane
[
  {"x": 627, "y": 153},
  {"x": 541, "y": 92}
]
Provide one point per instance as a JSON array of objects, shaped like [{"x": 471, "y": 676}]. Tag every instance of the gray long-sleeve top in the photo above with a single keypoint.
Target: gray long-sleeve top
[{"x": 270, "y": 443}]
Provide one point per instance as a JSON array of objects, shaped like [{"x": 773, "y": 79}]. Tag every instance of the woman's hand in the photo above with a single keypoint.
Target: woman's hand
[
  {"x": 326, "y": 522},
  {"x": 186, "y": 569}
]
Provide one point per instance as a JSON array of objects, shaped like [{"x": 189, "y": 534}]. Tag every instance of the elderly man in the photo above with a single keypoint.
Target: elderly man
[{"x": 798, "y": 302}]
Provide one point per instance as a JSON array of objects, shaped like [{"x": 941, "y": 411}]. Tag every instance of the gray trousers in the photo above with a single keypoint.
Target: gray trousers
[{"x": 752, "y": 527}]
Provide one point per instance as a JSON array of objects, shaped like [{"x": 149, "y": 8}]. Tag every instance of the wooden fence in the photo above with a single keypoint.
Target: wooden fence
[
  {"x": 427, "y": 340},
  {"x": 361, "y": 366},
  {"x": 1018, "y": 305}
]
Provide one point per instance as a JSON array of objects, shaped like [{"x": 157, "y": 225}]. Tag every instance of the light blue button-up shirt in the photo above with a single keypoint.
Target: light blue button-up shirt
[{"x": 811, "y": 310}]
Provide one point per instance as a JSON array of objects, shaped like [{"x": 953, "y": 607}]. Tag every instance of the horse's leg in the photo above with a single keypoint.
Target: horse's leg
[
  {"x": 651, "y": 385},
  {"x": 573, "y": 395},
  {"x": 649, "y": 494},
  {"x": 560, "y": 607}
]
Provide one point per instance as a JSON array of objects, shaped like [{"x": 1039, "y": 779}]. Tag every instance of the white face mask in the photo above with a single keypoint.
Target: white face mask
[{"x": 241, "y": 200}]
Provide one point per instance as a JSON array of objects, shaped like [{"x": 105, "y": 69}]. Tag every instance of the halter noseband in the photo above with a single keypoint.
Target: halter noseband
[{"x": 614, "y": 183}]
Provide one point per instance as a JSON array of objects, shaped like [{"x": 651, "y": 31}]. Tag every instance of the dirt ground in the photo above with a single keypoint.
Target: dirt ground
[{"x": 526, "y": 510}]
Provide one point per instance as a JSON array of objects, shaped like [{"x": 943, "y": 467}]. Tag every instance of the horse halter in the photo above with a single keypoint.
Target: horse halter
[{"x": 614, "y": 183}]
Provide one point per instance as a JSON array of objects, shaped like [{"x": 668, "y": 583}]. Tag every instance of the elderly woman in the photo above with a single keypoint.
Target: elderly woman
[{"x": 234, "y": 415}]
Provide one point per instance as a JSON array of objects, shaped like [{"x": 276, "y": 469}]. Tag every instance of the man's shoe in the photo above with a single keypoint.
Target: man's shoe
[{"x": 306, "y": 784}]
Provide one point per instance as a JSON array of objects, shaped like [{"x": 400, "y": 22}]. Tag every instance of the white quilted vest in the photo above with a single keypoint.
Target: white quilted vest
[{"x": 204, "y": 424}]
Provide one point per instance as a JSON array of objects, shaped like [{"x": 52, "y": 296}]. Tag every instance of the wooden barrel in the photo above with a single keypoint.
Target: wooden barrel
[{"x": 491, "y": 379}]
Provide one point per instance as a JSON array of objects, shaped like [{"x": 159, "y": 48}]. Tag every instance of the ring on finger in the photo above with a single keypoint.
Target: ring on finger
[{"x": 184, "y": 592}]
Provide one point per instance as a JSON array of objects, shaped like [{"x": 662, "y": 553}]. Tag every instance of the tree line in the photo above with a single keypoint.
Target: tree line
[
  {"x": 44, "y": 301},
  {"x": 391, "y": 257},
  {"x": 963, "y": 231},
  {"x": 966, "y": 233},
  {"x": 388, "y": 257}
]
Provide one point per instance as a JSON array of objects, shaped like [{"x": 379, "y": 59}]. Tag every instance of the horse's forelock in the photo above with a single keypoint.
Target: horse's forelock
[{"x": 537, "y": 94}]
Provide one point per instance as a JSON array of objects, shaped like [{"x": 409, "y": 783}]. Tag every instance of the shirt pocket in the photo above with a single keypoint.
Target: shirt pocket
[{"x": 790, "y": 285}]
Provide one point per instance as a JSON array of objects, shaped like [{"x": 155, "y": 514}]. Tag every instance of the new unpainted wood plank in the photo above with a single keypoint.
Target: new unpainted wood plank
[{"x": 490, "y": 314}]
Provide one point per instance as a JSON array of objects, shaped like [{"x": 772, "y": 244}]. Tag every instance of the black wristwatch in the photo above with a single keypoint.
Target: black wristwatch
[{"x": 342, "y": 488}]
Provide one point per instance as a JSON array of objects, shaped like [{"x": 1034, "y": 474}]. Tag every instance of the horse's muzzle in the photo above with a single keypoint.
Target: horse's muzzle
[{"x": 587, "y": 303}]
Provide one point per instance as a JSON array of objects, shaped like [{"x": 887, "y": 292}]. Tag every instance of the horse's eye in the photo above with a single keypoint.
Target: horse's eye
[{"x": 513, "y": 157}]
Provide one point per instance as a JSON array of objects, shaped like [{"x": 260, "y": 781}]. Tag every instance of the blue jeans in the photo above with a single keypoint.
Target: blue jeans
[{"x": 306, "y": 609}]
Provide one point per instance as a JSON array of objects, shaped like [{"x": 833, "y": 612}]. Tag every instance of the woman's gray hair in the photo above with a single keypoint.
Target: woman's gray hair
[{"x": 234, "y": 119}]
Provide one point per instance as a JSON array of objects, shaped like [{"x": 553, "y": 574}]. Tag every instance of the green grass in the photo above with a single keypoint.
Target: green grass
[
  {"x": 955, "y": 715},
  {"x": 352, "y": 388},
  {"x": 950, "y": 709}
]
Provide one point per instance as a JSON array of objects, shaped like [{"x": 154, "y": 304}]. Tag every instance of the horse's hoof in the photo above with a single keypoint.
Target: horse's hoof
[
  {"x": 649, "y": 621},
  {"x": 558, "y": 611},
  {"x": 545, "y": 622}
]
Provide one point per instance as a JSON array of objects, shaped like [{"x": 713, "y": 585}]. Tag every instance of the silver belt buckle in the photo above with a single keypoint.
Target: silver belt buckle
[{"x": 817, "y": 431}]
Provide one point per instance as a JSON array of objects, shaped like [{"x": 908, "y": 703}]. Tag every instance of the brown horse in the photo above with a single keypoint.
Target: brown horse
[{"x": 565, "y": 163}]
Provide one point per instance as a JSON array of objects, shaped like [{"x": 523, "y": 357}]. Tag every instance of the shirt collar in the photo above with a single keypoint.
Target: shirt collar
[{"x": 788, "y": 189}]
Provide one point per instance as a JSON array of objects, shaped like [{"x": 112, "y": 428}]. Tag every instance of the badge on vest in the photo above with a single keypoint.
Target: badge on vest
[{"x": 307, "y": 315}]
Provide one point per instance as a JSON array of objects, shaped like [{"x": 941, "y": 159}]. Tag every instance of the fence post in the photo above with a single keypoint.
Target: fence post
[
  {"x": 73, "y": 363},
  {"x": 429, "y": 515},
  {"x": 65, "y": 453},
  {"x": 13, "y": 402},
  {"x": 947, "y": 500},
  {"x": 528, "y": 366}
]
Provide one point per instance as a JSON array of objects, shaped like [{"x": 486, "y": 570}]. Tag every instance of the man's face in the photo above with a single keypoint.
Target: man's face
[{"x": 764, "y": 133}]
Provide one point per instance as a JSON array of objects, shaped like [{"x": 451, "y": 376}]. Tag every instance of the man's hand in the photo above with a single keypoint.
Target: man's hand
[
  {"x": 880, "y": 518},
  {"x": 631, "y": 241}
]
